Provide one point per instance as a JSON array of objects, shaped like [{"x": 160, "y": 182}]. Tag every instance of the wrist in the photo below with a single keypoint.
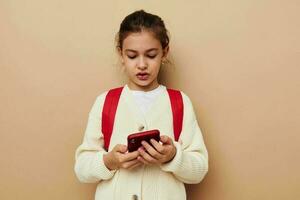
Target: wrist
[
  {"x": 173, "y": 154},
  {"x": 108, "y": 161}
]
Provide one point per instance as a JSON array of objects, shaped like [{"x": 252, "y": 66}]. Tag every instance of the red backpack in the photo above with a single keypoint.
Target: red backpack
[{"x": 111, "y": 104}]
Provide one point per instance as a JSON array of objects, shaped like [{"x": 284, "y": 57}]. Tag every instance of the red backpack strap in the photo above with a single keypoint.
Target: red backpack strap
[
  {"x": 109, "y": 112},
  {"x": 177, "y": 110}
]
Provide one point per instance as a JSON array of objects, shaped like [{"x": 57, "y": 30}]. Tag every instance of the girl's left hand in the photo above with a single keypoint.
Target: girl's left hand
[{"x": 158, "y": 153}]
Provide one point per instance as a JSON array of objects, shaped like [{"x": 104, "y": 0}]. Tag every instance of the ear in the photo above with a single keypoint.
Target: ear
[
  {"x": 165, "y": 52},
  {"x": 120, "y": 54}
]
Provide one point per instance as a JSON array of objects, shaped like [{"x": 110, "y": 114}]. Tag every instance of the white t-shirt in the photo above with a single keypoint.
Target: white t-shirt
[{"x": 145, "y": 100}]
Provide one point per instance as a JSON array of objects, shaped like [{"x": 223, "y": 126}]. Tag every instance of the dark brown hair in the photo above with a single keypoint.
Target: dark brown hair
[{"x": 139, "y": 21}]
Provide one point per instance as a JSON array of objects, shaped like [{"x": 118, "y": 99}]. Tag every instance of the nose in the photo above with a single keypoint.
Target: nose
[{"x": 142, "y": 64}]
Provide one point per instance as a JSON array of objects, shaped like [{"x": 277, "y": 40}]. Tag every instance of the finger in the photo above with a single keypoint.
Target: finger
[
  {"x": 120, "y": 148},
  {"x": 128, "y": 164},
  {"x": 146, "y": 156},
  {"x": 151, "y": 150},
  {"x": 135, "y": 165},
  {"x": 129, "y": 156},
  {"x": 142, "y": 160},
  {"x": 166, "y": 140},
  {"x": 157, "y": 145}
]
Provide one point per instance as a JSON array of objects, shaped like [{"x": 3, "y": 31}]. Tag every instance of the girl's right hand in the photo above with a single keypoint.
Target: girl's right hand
[{"x": 118, "y": 158}]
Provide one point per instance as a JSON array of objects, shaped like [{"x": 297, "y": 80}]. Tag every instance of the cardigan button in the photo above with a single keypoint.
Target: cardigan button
[
  {"x": 134, "y": 197},
  {"x": 141, "y": 127}
]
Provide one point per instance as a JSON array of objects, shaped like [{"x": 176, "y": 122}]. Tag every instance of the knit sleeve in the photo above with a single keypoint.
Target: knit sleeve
[
  {"x": 89, "y": 165},
  {"x": 190, "y": 164}
]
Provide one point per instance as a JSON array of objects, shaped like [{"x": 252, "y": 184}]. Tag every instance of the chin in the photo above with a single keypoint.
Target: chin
[{"x": 144, "y": 83}]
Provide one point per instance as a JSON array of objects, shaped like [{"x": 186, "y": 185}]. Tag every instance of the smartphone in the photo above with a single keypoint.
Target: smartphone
[{"x": 134, "y": 140}]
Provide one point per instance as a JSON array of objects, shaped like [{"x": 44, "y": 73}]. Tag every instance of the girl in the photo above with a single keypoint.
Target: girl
[{"x": 156, "y": 171}]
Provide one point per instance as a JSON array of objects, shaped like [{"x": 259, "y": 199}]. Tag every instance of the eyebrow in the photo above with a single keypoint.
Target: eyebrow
[{"x": 146, "y": 50}]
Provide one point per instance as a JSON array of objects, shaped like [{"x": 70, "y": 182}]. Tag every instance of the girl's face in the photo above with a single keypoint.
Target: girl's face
[{"x": 141, "y": 57}]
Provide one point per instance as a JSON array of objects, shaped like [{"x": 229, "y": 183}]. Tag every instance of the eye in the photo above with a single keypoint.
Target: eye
[
  {"x": 151, "y": 56},
  {"x": 131, "y": 57}
]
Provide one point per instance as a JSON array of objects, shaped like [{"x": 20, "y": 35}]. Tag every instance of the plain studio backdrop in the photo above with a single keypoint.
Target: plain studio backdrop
[{"x": 237, "y": 60}]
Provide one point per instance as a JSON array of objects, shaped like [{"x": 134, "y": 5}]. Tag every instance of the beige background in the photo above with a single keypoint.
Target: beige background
[{"x": 237, "y": 60}]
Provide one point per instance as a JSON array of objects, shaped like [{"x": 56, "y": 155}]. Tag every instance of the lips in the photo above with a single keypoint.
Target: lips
[{"x": 142, "y": 76}]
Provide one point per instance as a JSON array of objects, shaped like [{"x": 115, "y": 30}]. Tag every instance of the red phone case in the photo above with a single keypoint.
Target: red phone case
[{"x": 134, "y": 140}]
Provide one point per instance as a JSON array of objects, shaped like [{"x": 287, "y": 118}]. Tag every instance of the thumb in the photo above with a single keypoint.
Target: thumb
[
  {"x": 121, "y": 148},
  {"x": 165, "y": 139}
]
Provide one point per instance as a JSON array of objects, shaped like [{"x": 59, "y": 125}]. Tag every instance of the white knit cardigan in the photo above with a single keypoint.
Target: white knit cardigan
[{"x": 147, "y": 182}]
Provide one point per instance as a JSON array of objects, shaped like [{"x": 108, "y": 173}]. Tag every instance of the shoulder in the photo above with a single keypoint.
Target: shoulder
[
  {"x": 100, "y": 99},
  {"x": 185, "y": 98},
  {"x": 188, "y": 107},
  {"x": 189, "y": 115},
  {"x": 101, "y": 96}
]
